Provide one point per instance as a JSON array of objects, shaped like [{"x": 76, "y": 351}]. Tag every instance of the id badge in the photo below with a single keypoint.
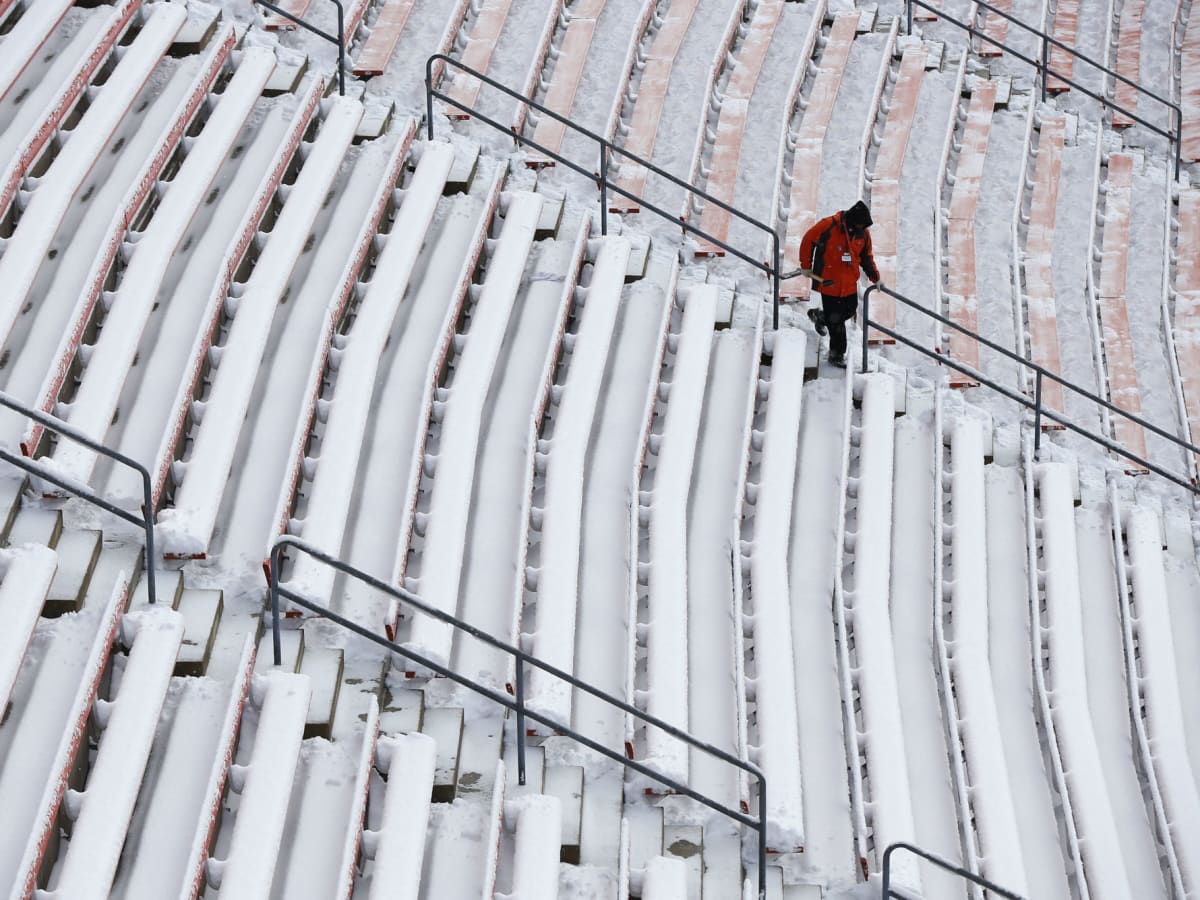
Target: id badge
[{"x": 846, "y": 257}]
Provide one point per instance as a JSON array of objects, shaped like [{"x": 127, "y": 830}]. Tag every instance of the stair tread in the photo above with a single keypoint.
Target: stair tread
[
  {"x": 78, "y": 551},
  {"x": 566, "y": 783},
  {"x": 445, "y": 725},
  {"x": 201, "y": 611},
  {"x": 291, "y": 645},
  {"x": 404, "y": 712},
  {"x": 323, "y": 665},
  {"x": 36, "y": 526}
]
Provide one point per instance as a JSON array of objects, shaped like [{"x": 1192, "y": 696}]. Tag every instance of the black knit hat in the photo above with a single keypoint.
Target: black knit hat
[{"x": 858, "y": 216}]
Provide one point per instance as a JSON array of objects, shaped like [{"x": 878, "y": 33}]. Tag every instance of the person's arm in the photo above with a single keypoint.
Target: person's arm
[
  {"x": 807, "y": 244},
  {"x": 867, "y": 259}
]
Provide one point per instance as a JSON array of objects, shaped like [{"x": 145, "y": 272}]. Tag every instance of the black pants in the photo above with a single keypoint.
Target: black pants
[{"x": 837, "y": 311}]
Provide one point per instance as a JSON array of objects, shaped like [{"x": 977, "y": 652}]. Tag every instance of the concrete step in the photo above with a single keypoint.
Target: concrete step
[
  {"x": 78, "y": 552},
  {"x": 36, "y": 526},
  {"x": 722, "y": 875},
  {"x": 645, "y": 841},
  {"x": 794, "y": 891},
  {"x": 168, "y": 588},
  {"x": 10, "y": 502},
  {"x": 291, "y": 642},
  {"x": 324, "y": 666},
  {"x": 201, "y": 610},
  {"x": 462, "y": 172},
  {"x": 481, "y": 747},
  {"x": 535, "y": 770},
  {"x": 445, "y": 725},
  {"x": 404, "y": 713},
  {"x": 566, "y": 783},
  {"x": 686, "y": 843}
]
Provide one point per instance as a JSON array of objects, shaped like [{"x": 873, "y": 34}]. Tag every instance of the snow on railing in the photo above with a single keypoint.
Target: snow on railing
[
  {"x": 36, "y": 844},
  {"x": 632, "y": 54},
  {"x": 636, "y": 506},
  {"x": 102, "y": 47},
  {"x": 232, "y": 261},
  {"x": 384, "y": 198},
  {"x": 206, "y": 828},
  {"x": 557, "y": 577},
  {"x": 1154, "y": 702},
  {"x": 710, "y": 102},
  {"x": 131, "y": 207}
]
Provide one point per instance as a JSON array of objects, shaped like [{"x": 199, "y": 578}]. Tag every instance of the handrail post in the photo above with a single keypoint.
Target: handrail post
[
  {"x": 908, "y": 16},
  {"x": 1045, "y": 65},
  {"x": 341, "y": 45},
  {"x": 865, "y": 321},
  {"x": 276, "y": 563},
  {"x": 429, "y": 97},
  {"x": 148, "y": 516},
  {"x": 762, "y": 836},
  {"x": 603, "y": 190},
  {"x": 1037, "y": 415},
  {"x": 776, "y": 274},
  {"x": 520, "y": 721},
  {"x": 886, "y": 893}
]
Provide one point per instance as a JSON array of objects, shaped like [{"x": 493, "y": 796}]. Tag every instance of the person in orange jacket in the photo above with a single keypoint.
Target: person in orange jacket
[{"x": 836, "y": 250}]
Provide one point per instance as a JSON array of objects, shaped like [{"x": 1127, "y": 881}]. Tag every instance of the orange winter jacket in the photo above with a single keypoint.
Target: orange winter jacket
[{"x": 836, "y": 257}]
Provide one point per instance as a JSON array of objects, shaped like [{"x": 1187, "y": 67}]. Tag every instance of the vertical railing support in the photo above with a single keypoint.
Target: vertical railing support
[
  {"x": 762, "y": 837},
  {"x": 908, "y": 16},
  {"x": 866, "y": 320},
  {"x": 604, "y": 189},
  {"x": 341, "y": 45},
  {"x": 276, "y": 563},
  {"x": 1037, "y": 415},
  {"x": 776, "y": 273},
  {"x": 520, "y": 721},
  {"x": 1045, "y": 65}
]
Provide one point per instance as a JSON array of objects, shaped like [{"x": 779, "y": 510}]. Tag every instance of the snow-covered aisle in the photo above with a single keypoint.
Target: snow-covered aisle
[
  {"x": 829, "y": 851},
  {"x": 935, "y": 813}
]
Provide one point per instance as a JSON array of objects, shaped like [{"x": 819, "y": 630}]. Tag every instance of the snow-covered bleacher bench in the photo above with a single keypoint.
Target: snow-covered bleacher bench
[
  {"x": 44, "y": 120},
  {"x": 1039, "y": 248},
  {"x": 272, "y": 21},
  {"x": 101, "y": 812},
  {"x": 1062, "y": 622},
  {"x": 175, "y": 822},
  {"x": 375, "y": 53},
  {"x": 1189, "y": 89},
  {"x": 477, "y": 54},
  {"x": 774, "y": 681},
  {"x": 995, "y": 27},
  {"x": 42, "y": 217},
  {"x": 1186, "y": 321},
  {"x": 564, "y": 81},
  {"x": 536, "y": 856},
  {"x": 1064, "y": 30},
  {"x": 873, "y": 676},
  {"x": 453, "y": 467},
  {"x": 731, "y": 121},
  {"x": 130, "y": 304},
  {"x": 359, "y": 353},
  {"x": 44, "y": 732},
  {"x": 1129, "y": 62},
  {"x": 885, "y": 179},
  {"x": 805, "y": 175},
  {"x": 188, "y": 528},
  {"x": 1152, "y": 668},
  {"x": 649, "y": 100},
  {"x": 397, "y": 847},
  {"x": 961, "y": 283},
  {"x": 264, "y": 784},
  {"x": 666, "y": 638},
  {"x": 1117, "y": 338},
  {"x": 562, "y": 509},
  {"x": 27, "y": 574},
  {"x": 966, "y": 588},
  {"x": 21, "y": 45}
]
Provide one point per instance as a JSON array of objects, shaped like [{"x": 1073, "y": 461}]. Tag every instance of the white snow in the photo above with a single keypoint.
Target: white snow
[
  {"x": 566, "y": 477},
  {"x": 538, "y": 843},
  {"x": 44, "y": 214},
  {"x": 21, "y": 45},
  {"x": 28, "y": 572},
  {"x": 107, "y": 801},
  {"x": 399, "y": 843}
]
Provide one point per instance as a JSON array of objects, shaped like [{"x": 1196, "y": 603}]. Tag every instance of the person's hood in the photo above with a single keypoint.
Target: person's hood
[{"x": 857, "y": 216}]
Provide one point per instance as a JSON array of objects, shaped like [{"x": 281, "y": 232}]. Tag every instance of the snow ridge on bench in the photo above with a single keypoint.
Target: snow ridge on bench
[
  {"x": 666, "y": 694},
  {"x": 106, "y": 804},
  {"x": 111, "y": 356},
  {"x": 28, "y": 572},
  {"x": 350, "y": 406},
  {"x": 558, "y": 580},
  {"x": 450, "y": 506},
  {"x": 398, "y": 847},
  {"x": 22, "y": 44},
  {"x": 188, "y": 528},
  {"x": 40, "y": 221}
]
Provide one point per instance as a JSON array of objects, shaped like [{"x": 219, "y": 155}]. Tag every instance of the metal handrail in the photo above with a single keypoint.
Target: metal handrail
[
  {"x": 517, "y": 705},
  {"x": 1040, "y": 373},
  {"x": 145, "y": 521},
  {"x": 338, "y": 40},
  {"x": 772, "y": 268},
  {"x": 888, "y": 893},
  {"x": 1043, "y": 66}
]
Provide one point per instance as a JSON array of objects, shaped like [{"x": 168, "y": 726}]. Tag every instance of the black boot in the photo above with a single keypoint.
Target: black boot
[{"x": 818, "y": 319}]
